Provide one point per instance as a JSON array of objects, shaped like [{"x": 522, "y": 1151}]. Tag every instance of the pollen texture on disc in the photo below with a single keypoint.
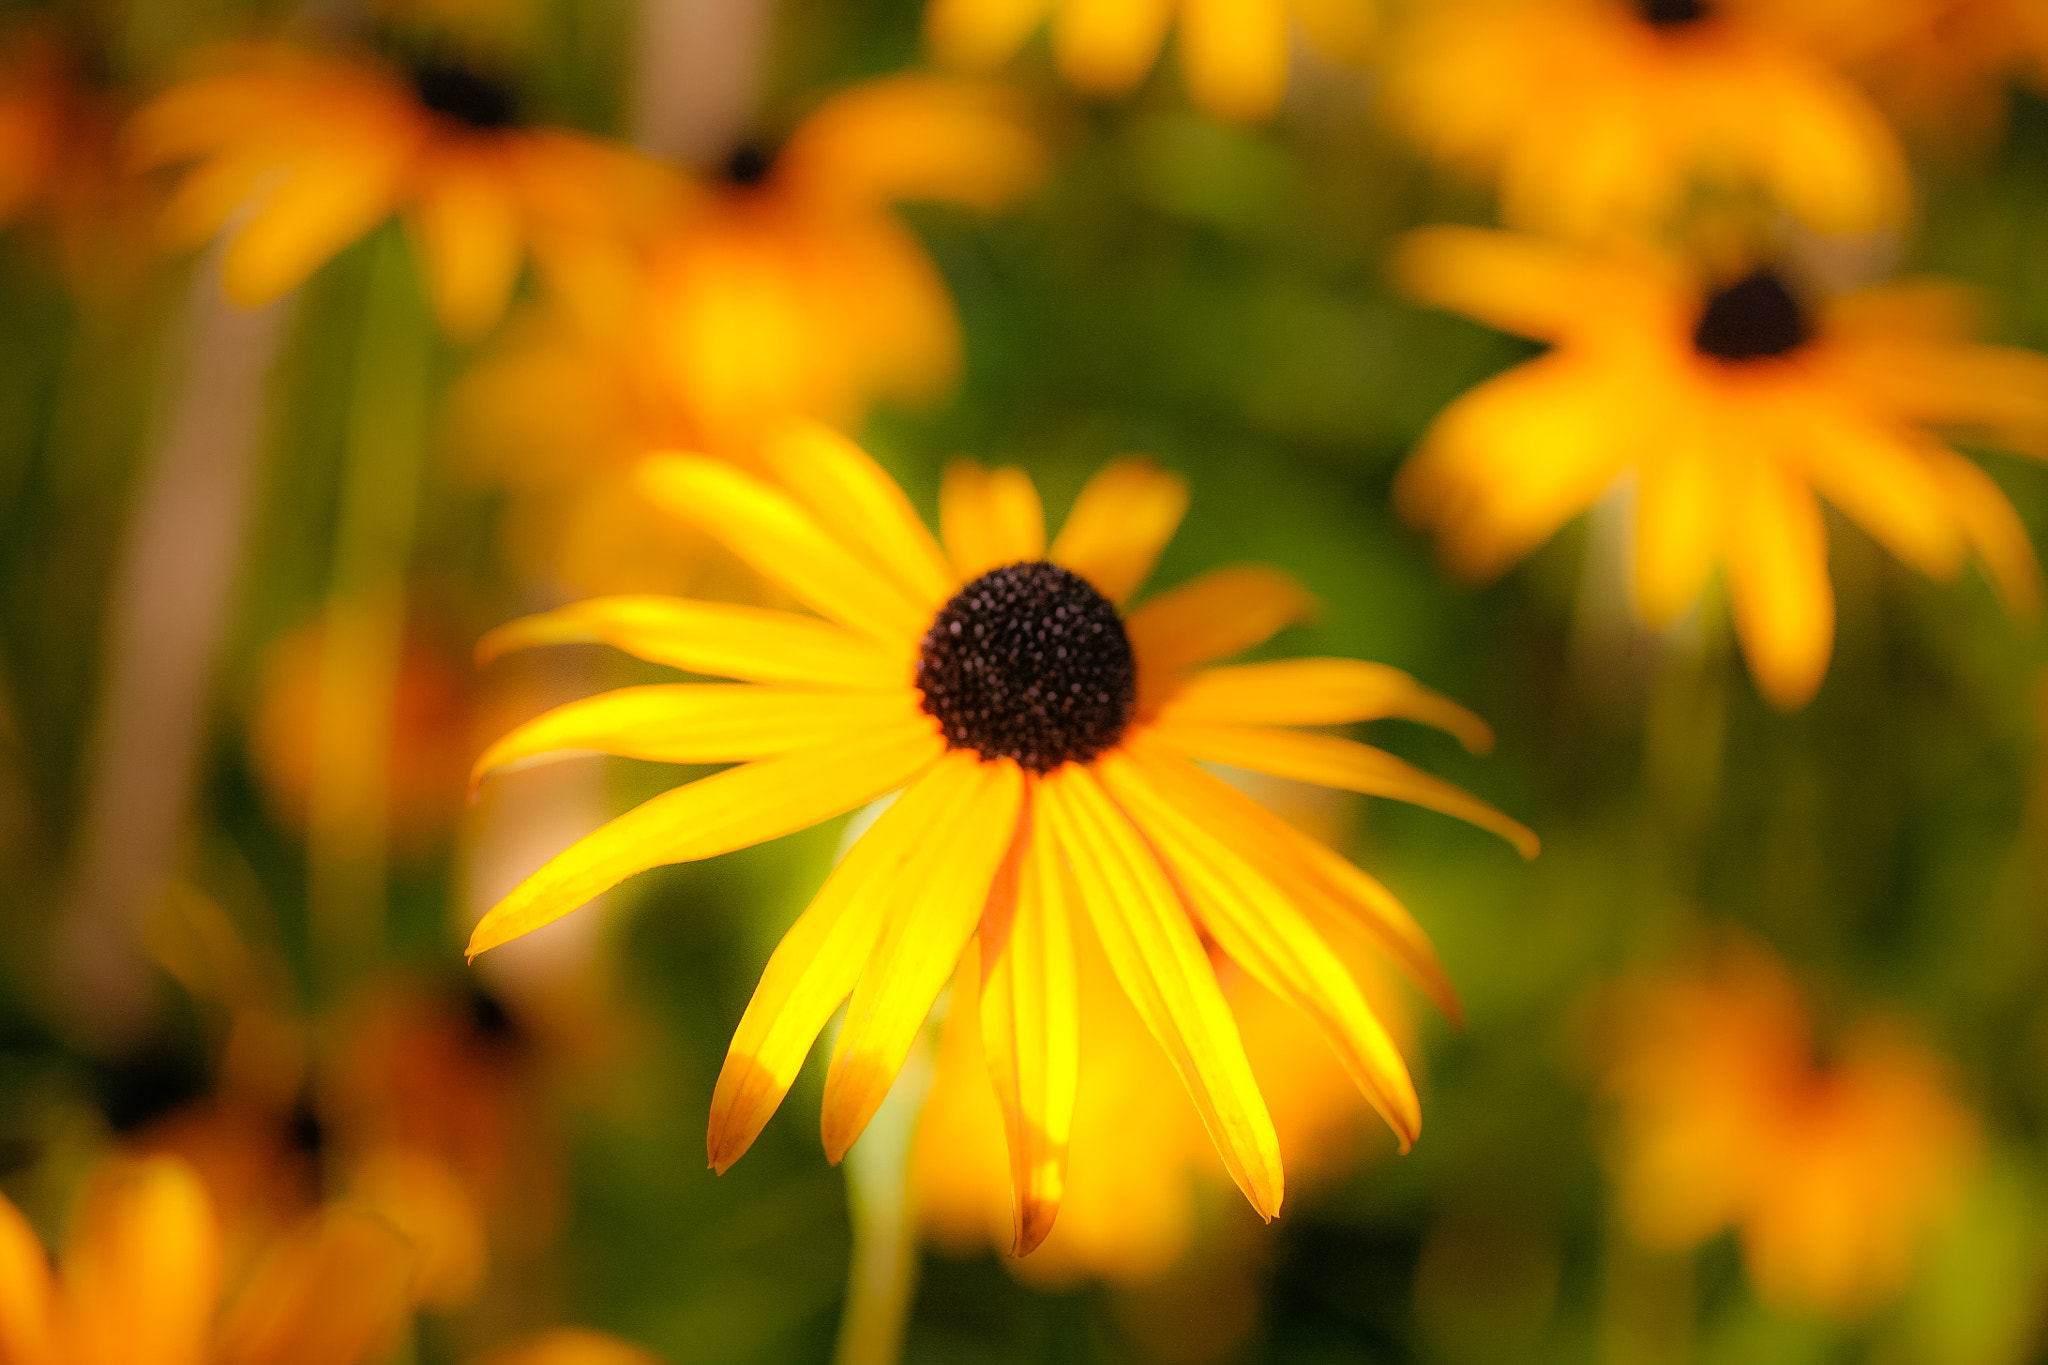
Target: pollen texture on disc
[{"x": 1029, "y": 662}]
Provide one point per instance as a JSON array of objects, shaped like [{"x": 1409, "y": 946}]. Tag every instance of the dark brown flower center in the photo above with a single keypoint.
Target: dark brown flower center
[
  {"x": 1671, "y": 13},
  {"x": 461, "y": 94},
  {"x": 748, "y": 165},
  {"x": 1755, "y": 318},
  {"x": 1029, "y": 662}
]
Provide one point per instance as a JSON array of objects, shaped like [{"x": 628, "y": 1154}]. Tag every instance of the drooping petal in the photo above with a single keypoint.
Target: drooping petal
[
  {"x": 1107, "y": 46},
  {"x": 468, "y": 228},
  {"x": 141, "y": 1275},
  {"x": 1882, "y": 481},
  {"x": 1259, "y": 926},
  {"x": 1993, "y": 528},
  {"x": 858, "y": 502},
  {"x": 572, "y": 1346},
  {"x": 918, "y": 950},
  {"x": 713, "y": 815},
  {"x": 1119, "y": 524},
  {"x": 335, "y": 1292},
  {"x": 989, "y": 518},
  {"x": 717, "y": 638},
  {"x": 765, "y": 527},
  {"x": 1211, "y": 617},
  {"x": 815, "y": 966},
  {"x": 698, "y": 723},
  {"x": 27, "y": 1335},
  {"x": 1145, "y": 932},
  {"x": 1520, "y": 284},
  {"x": 1329, "y": 761},
  {"x": 320, "y": 207},
  {"x": 980, "y": 35},
  {"x": 1319, "y": 692},
  {"x": 914, "y": 137},
  {"x": 1678, "y": 527},
  {"x": 1778, "y": 584},
  {"x": 1030, "y": 1022},
  {"x": 1234, "y": 53}
]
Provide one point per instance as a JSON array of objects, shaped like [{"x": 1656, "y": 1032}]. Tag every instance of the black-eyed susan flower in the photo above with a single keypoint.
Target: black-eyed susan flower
[
  {"x": 1602, "y": 116},
  {"x": 1042, "y": 743},
  {"x": 1731, "y": 407},
  {"x": 1234, "y": 54},
  {"x": 299, "y": 153},
  {"x": 790, "y": 287}
]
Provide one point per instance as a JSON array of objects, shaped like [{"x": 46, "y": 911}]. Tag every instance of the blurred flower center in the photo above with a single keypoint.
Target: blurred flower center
[
  {"x": 1753, "y": 319},
  {"x": 748, "y": 165},
  {"x": 1671, "y": 13},
  {"x": 461, "y": 94},
  {"x": 1029, "y": 662}
]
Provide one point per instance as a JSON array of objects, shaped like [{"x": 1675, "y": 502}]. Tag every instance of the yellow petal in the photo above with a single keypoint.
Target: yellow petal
[
  {"x": 335, "y": 1292},
  {"x": 1329, "y": 761},
  {"x": 1152, "y": 947},
  {"x": 914, "y": 137},
  {"x": 571, "y": 1346},
  {"x": 815, "y": 966},
  {"x": 1520, "y": 284},
  {"x": 1119, "y": 524},
  {"x": 716, "y": 638},
  {"x": 1234, "y": 54},
  {"x": 1994, "y": 529},
  {"x": 141, "y": 1274},
  {"x": 321, "y": 208},
  {"x": 469, "y": 231},
  {"x": 1827, "y": 154},
  {"x": 1778, "y": 584},
  {"x": 1030, "y": 1022},
  {"x": 1211, "y": 617},
  {"x": 980, "y": 35},
  {"x": 1882, "y": 481},
  {"x": 1319, "y": 692},
  {"x": 857, "y": 501},
  {"x": 714, "y": 815},
  {"x": 1678, "y": 527},
  {"x": 1260, "y": 927},
  {"x": 917, "y": 951},
  {"x": 784, "y": 543},
  {"x": 698, "y": 723},
  {"x": 989, "y": 518},
  {"x": 1106, "y": 46},
  {"x": 26, "y": 1329}
]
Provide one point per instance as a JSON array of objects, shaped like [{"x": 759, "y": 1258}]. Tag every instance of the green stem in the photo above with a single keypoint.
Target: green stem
[{"x": 883, "y": 1277}]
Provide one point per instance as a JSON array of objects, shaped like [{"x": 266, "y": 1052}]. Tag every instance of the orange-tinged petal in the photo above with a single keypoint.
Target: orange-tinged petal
[
  {"x": 989, "y": 518},
  {"x": 918, "y": 950},
  {"x": 1678, "y": 527},
  {"x": 698, "y": 723},
  {"x": 27, "y": 1335},
  {"x": 1341, "y": 30},
  {"x": 141, "y": 1274},
  {"x": 1516, "y": 283},
  {"x": 1211, "y": 617},
  {"x": 721, "y": 639},
  {"x": 1030, "y": 1022},
  {"x": 468, "y": 227},
  {"x": 1234, "y": 54},
  {"x": 1329, "y": 761},
  {"x": 1827, "y": 154},
  {"x": 785, "y": 544},
  {"x": 1119, "y": 524},
  {"x": 856, "y": 500},
  {"x": 815, "y": 966},
  {"x": 1778, "y": 584},
  {"x": 1259, "y": 926},
  {"x": 1319, "y": 692},
  {"x": 1145, "y": 932},
  {"x": 980, "y": 35},
  {"x": 336, "y": 1292},
  {"x": 321, "y": 208},
  {"x": 1107, "y": 46},
  {"x": 1882, "y": 481},
  {"x": 714, "y": 815},
  {"x": 1993, "y": 528},
  {"x": 572, "y": 1346},
  {"x": 914, "y": 137}
]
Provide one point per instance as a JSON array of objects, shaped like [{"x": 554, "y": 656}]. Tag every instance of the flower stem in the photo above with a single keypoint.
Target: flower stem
[{"x": 883, "y": 1277}]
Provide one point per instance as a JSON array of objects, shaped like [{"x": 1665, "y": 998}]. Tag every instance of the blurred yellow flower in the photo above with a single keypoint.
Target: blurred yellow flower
[
  {"x": 1598, "y": 117},
  {"x": 1042, "y": 741},
  {"x": 1831, "y": 1174},
  {"x": 1233, "y": 53},
  {"x": 1724, "y": 407},
  {"x": 1946, "y": 65},
  {"x": 140, "y": 1283},
  {"x": 298, "y": 153},
  {"x": 792, "y": 288}
]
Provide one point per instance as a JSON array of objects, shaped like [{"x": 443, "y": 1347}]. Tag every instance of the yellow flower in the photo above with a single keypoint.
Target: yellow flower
[
  {"x": 1042, "y": 742},
  {"x": 1234, "y": 53},
  {"x": 1830, "y": 1174},
  {"x": 790, "y": 287},
  {"x": 299, "y": 153},
  {"x": 1724, "y": 408},
  {"x": 140, "y": 1283},
  {"x": 1946, "y": 64},
  {"x": 1599, "y": 116}
]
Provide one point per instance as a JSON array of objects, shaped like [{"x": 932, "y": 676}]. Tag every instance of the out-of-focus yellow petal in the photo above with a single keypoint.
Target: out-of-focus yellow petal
[
  {"x": 717, "y": 638},
  {"x": 1106, "y": 46},
  {"x": 714, "y": 815},
  {"x": 784, "y": 543},
  {"x": 1030, "y": 1022},
  {"x": 468, "y": 228},
  {"x": 1258, "y": 925},
  {"x": 141, "y": 1273},
  {"x": 989, "y": 518},
  {"x": 1341, "y": 30},
  {"x": 857, "y": 501},
  {"x": 915, "y": 137},
  {"x": 571, "y": 1346},
  {"x": 1319, "y": 692},
  {"x": 335, "y": 1293},
  {"x": 1234, "y": 55},
  {"x": 1678, "y": 527},
  {"x": 1825, "y": 152},
  {"x": 1778, "y": 583},
  {"x": 1212, "y": 617},
  {"x": 321, "y": 207},
  {"x": 815, "y": 966},
  {"x": 26, "y": 1306},
  {"x": 1506, "y": 280},
  {"x": 421, "y": 1198},
  {"x": 1993, "y": 528},
  {"x": 980, "y": 35},
  {"x": 918, "y": 949},
  {"x": 1119, "y": 524},
  {"x": 1145, "y": 932},
  {"x": 1329, "y": 761},
  {"x": 1881, "y": 480},
  {"x": 698, "y": 723}
]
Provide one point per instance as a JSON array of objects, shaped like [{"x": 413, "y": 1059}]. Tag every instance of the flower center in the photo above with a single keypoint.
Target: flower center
[
  {"x": 748, "y": 165},
  {"x": 1753, "y": 319},
  {"x": 461, "y": 94},
  {"x": 1029, "y": 662},
  {"x": 1671, "y": 13}
]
